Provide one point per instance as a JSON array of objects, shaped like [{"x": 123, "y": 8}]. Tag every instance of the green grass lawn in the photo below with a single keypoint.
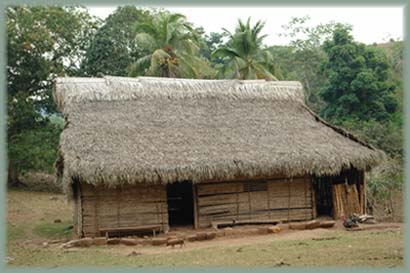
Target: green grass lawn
[{"x": 30, "y": 222}]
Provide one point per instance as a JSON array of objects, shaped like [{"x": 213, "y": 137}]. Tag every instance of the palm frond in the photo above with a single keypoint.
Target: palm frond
[
  {"x": 146, "y": 28},
  {"x": 225, "y": 52},
  {"x": 146, "y": 41},
  {"x": 140, "y": 67}
]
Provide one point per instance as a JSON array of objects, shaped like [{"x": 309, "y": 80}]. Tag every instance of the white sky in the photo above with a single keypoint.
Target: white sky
[{"x": 370, "y": 24}]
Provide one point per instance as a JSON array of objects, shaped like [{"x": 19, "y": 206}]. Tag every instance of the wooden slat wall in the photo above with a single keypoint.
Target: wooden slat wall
[
  {"x": 280, "y": 200},
  {"x": 130, "y": 205}
]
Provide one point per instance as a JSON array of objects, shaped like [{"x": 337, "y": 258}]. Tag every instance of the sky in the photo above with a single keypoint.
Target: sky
[{"x": 370, "y": 24}]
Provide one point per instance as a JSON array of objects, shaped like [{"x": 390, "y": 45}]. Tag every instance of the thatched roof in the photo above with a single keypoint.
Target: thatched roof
[{"x": 156, "y": 130}]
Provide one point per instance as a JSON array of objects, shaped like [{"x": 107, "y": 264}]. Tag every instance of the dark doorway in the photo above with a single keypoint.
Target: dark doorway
[
  {"x": 323, "y": 195},
  {"x": 180, "y": 204}
]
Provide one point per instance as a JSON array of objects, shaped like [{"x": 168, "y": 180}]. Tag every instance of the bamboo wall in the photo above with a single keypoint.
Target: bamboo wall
[
  {"x": 278, "y": 199},
  {"x": 126, "y": 206}
]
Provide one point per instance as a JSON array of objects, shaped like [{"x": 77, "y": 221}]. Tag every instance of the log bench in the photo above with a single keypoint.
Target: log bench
[{"x": 108, "y": 231}]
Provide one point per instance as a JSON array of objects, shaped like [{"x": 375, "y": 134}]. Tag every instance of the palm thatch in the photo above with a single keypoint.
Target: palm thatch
[{"x": 156, "y": 130}]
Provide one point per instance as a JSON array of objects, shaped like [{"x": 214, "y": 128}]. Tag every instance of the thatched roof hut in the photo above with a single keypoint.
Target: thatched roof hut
[
  {"x": 158, "y": 131},
  {"x": 133, "y": 130}
]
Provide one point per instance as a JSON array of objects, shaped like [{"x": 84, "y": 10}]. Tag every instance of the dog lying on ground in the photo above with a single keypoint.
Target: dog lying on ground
[{"x": 176, "y": 241}]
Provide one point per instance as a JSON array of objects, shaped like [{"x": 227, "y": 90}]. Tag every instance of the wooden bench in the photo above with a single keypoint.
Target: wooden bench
[
  {"x": 153, "y": 228},
  {"x": 219, "y": 224}
]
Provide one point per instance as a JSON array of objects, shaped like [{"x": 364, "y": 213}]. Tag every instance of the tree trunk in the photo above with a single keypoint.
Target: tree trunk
[{"x": 13, "y": 176}]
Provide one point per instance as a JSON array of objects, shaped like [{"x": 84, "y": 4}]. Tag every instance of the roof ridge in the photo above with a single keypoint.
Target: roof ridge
[{"x": 112, "y": 88}]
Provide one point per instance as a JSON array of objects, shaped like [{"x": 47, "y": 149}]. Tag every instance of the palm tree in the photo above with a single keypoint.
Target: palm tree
[
  {"x": 243, "y": 53},
  {"x": 173, "y": 48}
]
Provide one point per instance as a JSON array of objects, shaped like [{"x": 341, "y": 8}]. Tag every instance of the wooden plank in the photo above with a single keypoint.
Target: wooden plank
[
  {"x": 80, "y": 211},
  {"x": 313, "y": 199},
  {"x": 195, "y": 201},
  {"x": 220, "y": 188},
  {"x": 363, "y": 183},
  {"x": 134, "y": 228}
]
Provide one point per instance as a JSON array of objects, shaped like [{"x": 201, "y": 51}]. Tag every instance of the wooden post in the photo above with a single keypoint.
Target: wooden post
[
  {"x": 363, "y": 193},
  {"x": 250, "y": 205},
  {"x": 237, "y": 201},
  {"x": 313, "y": 193},
  {"x": 80, "y": 211},
  {"x": 289, "y": 180},
  {"x": 304, "y": 188},
  {"x": 96, "y": 204},
  {"x": 117, "y": 199},
  {"x": 267, "y": 193},
  {"x": 195, "y": 200}
]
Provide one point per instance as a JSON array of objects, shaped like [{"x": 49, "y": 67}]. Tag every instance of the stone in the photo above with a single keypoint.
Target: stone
[
  {"x": 312, "y": 224},
  {"x": 99, "y": 241},
  {"x": 250, "y": 231},
  {"x": 263, "y": 230},
  {"x": 176, "y": 241},
  {"x": 159, "y": 241},
  {"x": 84, "y": 242},
  {"x": 191, "y": 238},
  {"x": 283, "y": 226},
  {"x": 228, "y": 231},
  {"x": 298, "y": 226},
  {"x": 327, "y": 224},
  {"x": 128, "y": 242},
  {"x": 113, "y": 241},
  {"x": 201, "y": 236},
  {"x": 210, "y": 235}
]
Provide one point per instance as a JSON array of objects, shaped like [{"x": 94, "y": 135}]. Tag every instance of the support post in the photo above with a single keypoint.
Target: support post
[
  {"x": 313, "y": 193},
  {"x": 195, "y": 200}
]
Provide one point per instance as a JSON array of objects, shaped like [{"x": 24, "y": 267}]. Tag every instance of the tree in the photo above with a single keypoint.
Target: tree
[
  {"x": 301, "y": 60},
  {"x": 113, "y": 49},
  {"x": 42, "y": 43},
  {"x": 211, "y": 43},
  {"x": 357, "y": 85},
  {"x": 172, "y": 44},
  {"x": 244, "y": 53}
]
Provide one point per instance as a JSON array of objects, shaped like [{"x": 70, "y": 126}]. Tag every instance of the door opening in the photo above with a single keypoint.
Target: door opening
[
  {"x": 323, "y": 195},
  {"x": 180, "y": 204}
]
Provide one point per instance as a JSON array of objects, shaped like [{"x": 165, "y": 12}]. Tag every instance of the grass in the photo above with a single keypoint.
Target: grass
[
  {"x": 15, "y": 232},
  {"x": 52, "y": 231},
  {"x": 30, "y": 222}
]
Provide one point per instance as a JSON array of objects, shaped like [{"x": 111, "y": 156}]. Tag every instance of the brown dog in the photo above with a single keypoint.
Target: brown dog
[{"x": 177, "y": 241}]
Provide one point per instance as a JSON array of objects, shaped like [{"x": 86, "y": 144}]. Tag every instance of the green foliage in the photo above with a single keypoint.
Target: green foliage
[
  {"x": 243, "y": 55},
  {"x": 387, "y": 135},
  {"x": 113, "y": 49},
  {"x": 42, "y": 42},
  {"x": 386, "y": 178},
  {"x": 35, "y": 149},
  {"x": 172, "y": 44},
  {"x": 212, "y": 42},
  {"x": 358, "y": 84},
  {"x": 303, "y": 58}
]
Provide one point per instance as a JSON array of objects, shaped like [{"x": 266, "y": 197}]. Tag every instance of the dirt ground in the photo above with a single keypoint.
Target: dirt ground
[{"x": 36, "y": 218}]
